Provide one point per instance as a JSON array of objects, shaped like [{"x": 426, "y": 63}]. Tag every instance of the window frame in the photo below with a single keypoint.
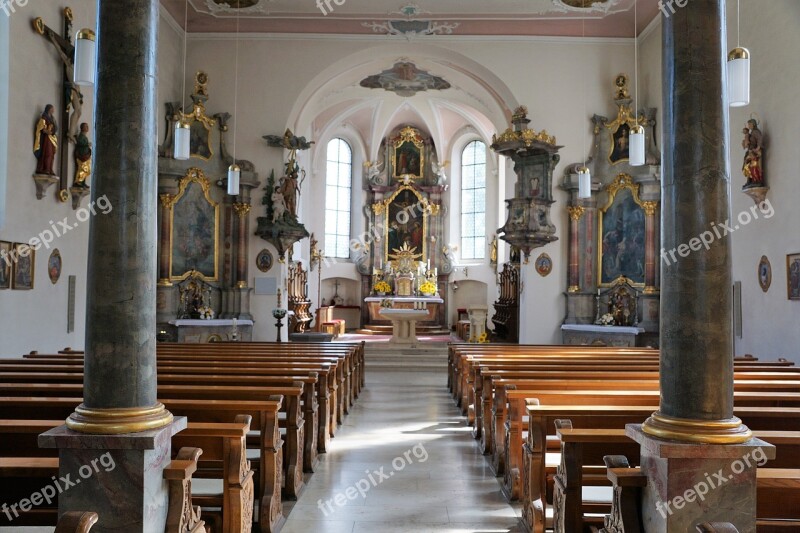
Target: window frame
[
  {"x": 478, "y": 255},
  {"x": 332, "y": 248}
]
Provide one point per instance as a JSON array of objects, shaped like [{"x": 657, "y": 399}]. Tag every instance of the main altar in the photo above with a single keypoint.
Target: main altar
[{"x": 403, "y": 264}]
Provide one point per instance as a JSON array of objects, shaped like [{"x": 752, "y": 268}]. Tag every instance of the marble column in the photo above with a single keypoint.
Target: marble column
[
  {"x": 650, "y": 210},
  {"x": 695, "y": 432},
  {"x": 574, "y": 273},
  {"x": 120, "y": 423},
  {"x": 242, "y": 210}
]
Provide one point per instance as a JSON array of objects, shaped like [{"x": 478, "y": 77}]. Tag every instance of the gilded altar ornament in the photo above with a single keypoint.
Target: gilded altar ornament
[{"x": 627, "y": 120}]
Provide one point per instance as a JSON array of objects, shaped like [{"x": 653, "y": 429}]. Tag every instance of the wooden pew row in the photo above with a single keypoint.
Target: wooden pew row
[
  {"x": 311, "y": 392},
  {"x": 582, "y": 464},
  {"x": 542, "y": 425},
  {"x": 327, "y": 388},
  {"x": 293, "y": 456},
  {"x": 24, "y": 477},
  {"x": 344, "y": 396},
  {"x": 511, "y": 452},
  {"x": 224, "y": 458},
  {"x": 264, "y": 414},
  {"x": 488, "y": 376}
]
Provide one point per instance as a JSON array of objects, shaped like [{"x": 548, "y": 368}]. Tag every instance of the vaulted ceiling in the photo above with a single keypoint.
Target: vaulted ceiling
[{"x": 594, "y": 18}]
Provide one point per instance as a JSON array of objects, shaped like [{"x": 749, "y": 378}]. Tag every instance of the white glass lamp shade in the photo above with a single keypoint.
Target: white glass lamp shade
[
  {"x": 739, "y": 77},
  {"x": 234, "y": 173},
  {"x": 85, "y": 57},
  {"x": 182, "y": 144},
  {"x": 636, "y": 148},
  {"x": 584, "y": 183}
]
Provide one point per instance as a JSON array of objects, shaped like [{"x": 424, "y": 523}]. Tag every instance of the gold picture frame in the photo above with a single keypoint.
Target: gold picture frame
[
  {"x": 408, "y": 157},
  {"x": 615, "y": 263},
  {"x": 194, "y": 226},
  {"x": 764, "y": 273},
  {"x": 793, "y": 276},
  {"x": 23, "y": 271},
  {"x": 388, "y": 208}
]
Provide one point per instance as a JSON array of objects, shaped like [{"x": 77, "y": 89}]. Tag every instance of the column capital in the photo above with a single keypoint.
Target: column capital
[
  {"x": 242, "y": 209},
  {"x": 650, "y": 207},
  {"x": 167, "y": 199},
  {"x": 576, "y": 212}
]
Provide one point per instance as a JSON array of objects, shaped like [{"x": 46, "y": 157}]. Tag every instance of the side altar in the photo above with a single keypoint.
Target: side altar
[{"x": 404, "y": 258}]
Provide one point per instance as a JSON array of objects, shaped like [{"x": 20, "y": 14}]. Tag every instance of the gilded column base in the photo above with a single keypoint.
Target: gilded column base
[
  {"x": 241, "y": 285},
  {"x": 651, "y": 290},
  {"x": 164, "y": 283},
  {"x": 573, "y": 288},
  {"x": 730, "y": 431},
  {"x": 116, "y": 421}
]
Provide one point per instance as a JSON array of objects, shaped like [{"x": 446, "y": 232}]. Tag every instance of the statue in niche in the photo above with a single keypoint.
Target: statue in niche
[
  {"x": 45, "y": 142},
  {"x": 753, "y": 143},
  {"x": 290, "y": 188},
  {"x": 83, "y": 157}
]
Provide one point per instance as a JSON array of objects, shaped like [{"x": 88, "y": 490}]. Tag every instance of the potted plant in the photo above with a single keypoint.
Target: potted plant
[{"x": 428, "y": 288}]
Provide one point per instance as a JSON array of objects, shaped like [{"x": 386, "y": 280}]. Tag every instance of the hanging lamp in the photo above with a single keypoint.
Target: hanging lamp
[
  {"x": 738, "y": 71},
  {"x": 636, "y": 140},
  {"x": 234, "y": 172},
  {"x": 182, "y": 148},
  {"x": 84, "y": 67},
  {"x": 584, "y": 175}
]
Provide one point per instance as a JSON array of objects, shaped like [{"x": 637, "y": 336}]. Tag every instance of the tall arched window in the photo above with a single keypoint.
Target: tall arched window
[
  {"x": 338, "y": 184},
  {"x": 473, "y": 201}
]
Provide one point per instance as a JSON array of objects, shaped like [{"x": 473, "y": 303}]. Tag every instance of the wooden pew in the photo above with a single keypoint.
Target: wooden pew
[
  {"x": 24, "y": 477},
  {"x": 264, "y": 415},
  {"x": 76, "y": 522}
]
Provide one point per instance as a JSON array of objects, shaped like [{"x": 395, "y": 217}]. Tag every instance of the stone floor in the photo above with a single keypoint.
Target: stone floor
[{"x": 405, "y": 425}]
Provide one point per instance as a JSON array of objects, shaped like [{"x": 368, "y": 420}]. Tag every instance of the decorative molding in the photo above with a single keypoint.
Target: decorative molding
[
  {"x": 576, "y": 212},
  {"x": 412, "y": 28},
  {"x": 544, "y": 39}
]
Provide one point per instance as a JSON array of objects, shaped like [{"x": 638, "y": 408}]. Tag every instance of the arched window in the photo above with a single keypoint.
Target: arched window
[
  {"x": 473, "y": 201},
  {"x": 338, "y": 185}
]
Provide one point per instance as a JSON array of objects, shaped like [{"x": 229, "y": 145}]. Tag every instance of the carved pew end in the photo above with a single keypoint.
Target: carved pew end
[
  {"x": 717, "y": 527},
  {"x": 76, "y": 522},
  {"x": 182, "y": 516}
]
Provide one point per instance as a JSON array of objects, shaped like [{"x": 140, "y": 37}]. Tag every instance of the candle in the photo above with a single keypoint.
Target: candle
[
  {"x": 234, "y": 322},
  {"x": 598, "y": 292}
]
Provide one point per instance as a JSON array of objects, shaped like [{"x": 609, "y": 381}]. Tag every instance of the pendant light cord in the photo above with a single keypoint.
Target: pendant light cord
[
  {"x": 236, "y": 85},
  {"x": 185, "y": 37},
  {"x": 583, "y": 136},
  {"x": 636, "y": 62},
  {"x": 738, "y": 18}
]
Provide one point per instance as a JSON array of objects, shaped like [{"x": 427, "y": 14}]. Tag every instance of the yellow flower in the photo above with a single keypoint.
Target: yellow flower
[
  {"x": 428, "y": 287},
  {"x": 382, "y": 286}
]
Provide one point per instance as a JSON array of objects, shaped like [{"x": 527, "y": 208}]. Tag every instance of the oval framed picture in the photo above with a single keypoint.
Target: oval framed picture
[
  {"x": 264, "y": 260},
  {"x": 54, "y": 266},
  {"x": 544, "y": 265},
  {"x": 764, "y": 273}
]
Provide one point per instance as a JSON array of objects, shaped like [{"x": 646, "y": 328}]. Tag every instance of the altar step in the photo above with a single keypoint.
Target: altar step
[
  {"x": 422, "y": 331},
  {"x": 421, "y": 357}
]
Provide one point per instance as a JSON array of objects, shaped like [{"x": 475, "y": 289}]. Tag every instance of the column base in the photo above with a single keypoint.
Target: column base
[
  {"x": 697, "y": 431},
  {"x": 120, "y": 477},
  {"x": 690, "y": 483},
  {"x": 119, "y": 420}
]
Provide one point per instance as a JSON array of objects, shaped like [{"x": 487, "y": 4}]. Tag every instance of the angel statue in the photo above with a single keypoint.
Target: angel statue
[
  {"x": 438, "y": 171},
  {"x": 290, "y": 142}
]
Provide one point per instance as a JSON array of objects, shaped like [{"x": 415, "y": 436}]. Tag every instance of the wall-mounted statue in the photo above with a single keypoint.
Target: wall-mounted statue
[
  {"x": 45, "y": 142},
  {"x": 753, "y": 143},
  {"x": 83, "y": 157}
]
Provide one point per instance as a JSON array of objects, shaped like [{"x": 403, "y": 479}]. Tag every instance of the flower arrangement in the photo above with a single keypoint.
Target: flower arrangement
[
  {"x": 382, "y": 286},
  {"x": 607, "y": 320},
  {"x": 205, "y": 312},
  {"x": 386, "y": 303},
  {"x": 484, "y": 338},
  {"x": 428, "y": 287}
]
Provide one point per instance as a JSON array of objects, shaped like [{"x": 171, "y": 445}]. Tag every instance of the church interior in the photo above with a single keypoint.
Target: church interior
[{"x": 385, "y": 266}]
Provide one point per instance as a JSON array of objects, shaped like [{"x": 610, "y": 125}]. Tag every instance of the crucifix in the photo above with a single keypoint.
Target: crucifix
[
  {"x": 71, "y": 97},
  {"x": 336, "y": 292}
]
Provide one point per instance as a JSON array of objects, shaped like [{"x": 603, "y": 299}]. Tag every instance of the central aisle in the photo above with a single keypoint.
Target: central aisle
[{"x": 406, "y": 426}]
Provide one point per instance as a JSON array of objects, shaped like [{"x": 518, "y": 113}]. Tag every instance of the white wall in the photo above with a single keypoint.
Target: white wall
[
  {"x": 770, "y": 322},
  {"x": 4, "y": 88},
  {"x": 37, "y": 319}
]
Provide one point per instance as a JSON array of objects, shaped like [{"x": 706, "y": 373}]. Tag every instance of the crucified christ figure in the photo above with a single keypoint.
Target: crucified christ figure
[{"x": 75, "y": 97}]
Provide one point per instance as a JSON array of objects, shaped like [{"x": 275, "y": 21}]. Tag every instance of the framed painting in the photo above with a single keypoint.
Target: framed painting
[
  {"x": 5, "y": 265},
  {"x": 406, "y": 222},
  {"x": 764, "y": 273},
  {"x": 23, "y": 267},
  {"x": 544, "y": 265},
  {"x": 54, "y": 266},
  {"x": 408, "y": 158},
  {"x": 621, "y": 234},
  {"x": 264, "y": 260},
  {"x": 194, "y": 229},
  {"x": 620, "y": 144},
  {"x": 793, "y": 275}
]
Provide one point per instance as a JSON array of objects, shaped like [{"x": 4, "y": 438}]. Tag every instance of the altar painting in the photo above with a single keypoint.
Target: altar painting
[
  {"x": 406, "y": 222},
  {"x": 195, "y": 226},
  {"x": 622, "y": 234},
  {"x": 408, "y": 158}
]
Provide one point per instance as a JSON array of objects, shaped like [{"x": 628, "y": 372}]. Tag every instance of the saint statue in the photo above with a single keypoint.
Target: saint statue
[
  {"x": 289, "y": 188},
  {"x": 45, "y": 142},
  {"x": 752, "y": 168},
  {"x": 83, "y": 157},
  {"x": 278, "y": 205}
]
